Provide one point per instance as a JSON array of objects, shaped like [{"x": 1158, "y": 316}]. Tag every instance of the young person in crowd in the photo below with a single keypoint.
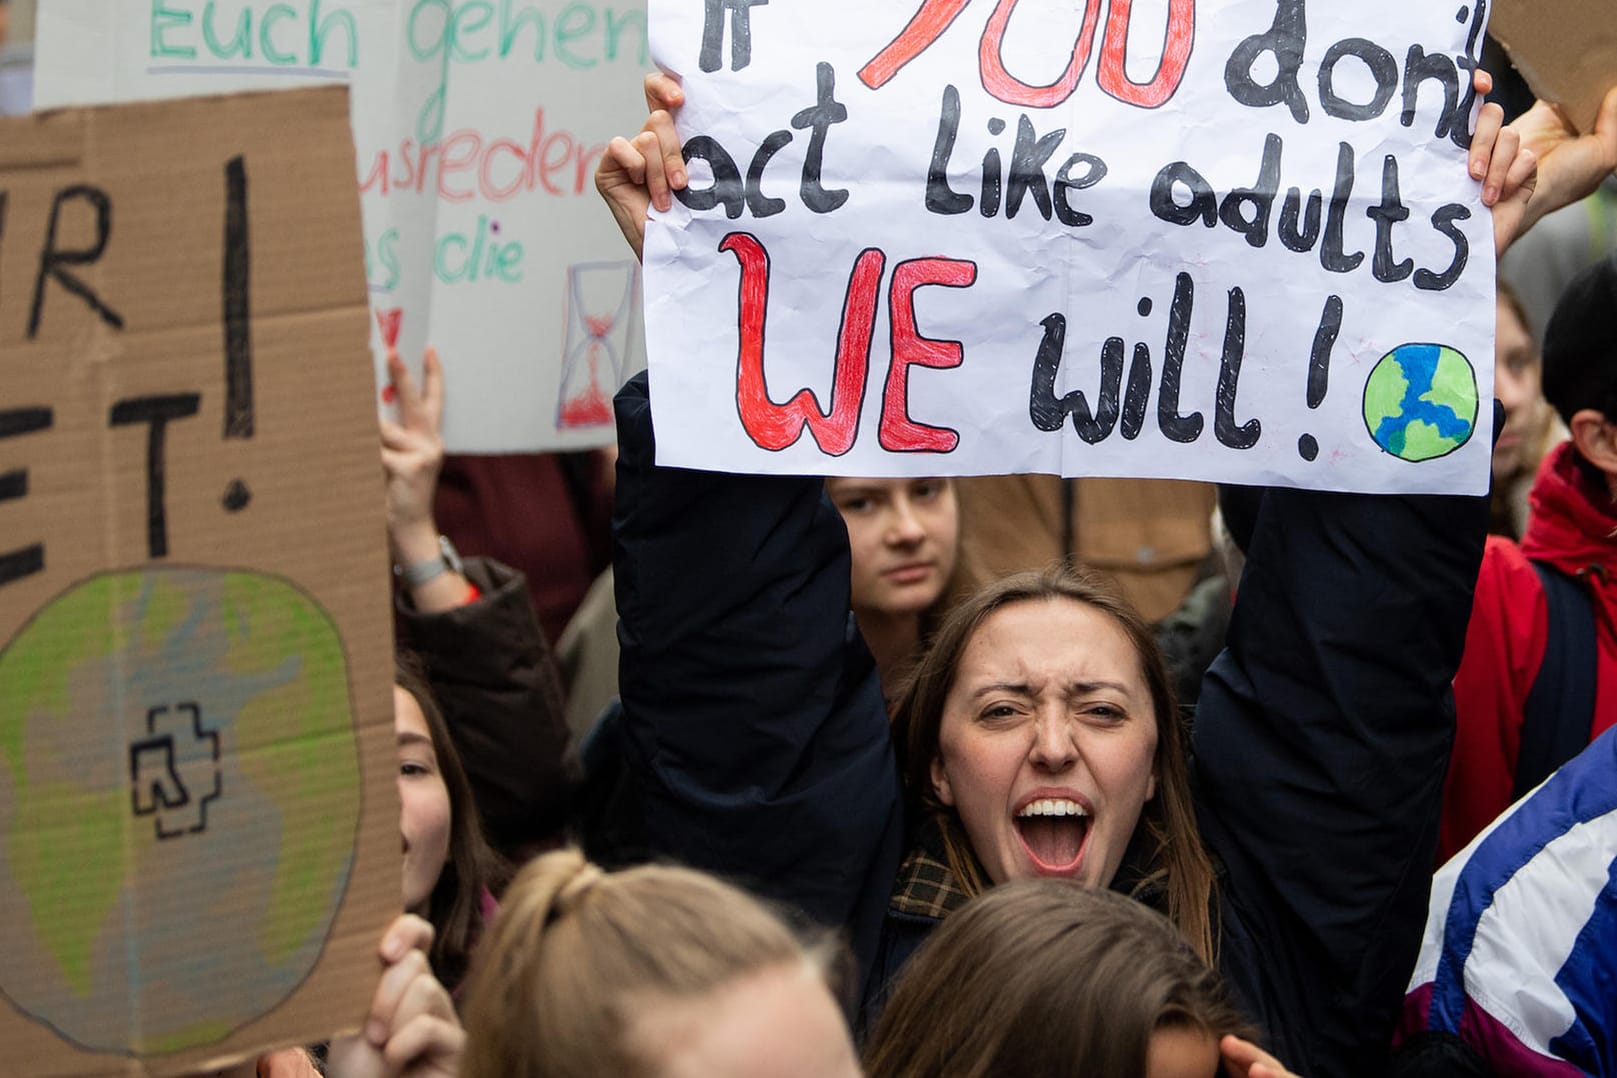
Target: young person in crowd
[
  {"x": 650, "y": 971},
  {"x": 1524, "y": 653},
  {"x": 474, "y": 628},
  {"x": 1531, "y": 429},
  {"x": 994, "y": 992},
  {"x": 451, "y": 875},
  {"x": 1044, "y": 740},
  {"x": 904, "y": 538}
]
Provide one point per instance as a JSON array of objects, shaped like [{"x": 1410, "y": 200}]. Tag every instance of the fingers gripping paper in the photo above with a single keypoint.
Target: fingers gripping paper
[
  {"x": 1213, "y": 239},
  {"x": 198, "y": 821}
]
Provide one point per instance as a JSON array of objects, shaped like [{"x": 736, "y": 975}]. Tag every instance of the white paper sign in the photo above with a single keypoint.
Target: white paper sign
[
  {"x": 1214, "y": 239},
  {"x": 478, "y": 125}
]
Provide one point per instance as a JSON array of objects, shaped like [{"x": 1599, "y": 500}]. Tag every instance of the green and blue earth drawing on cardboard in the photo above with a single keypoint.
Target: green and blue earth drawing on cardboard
[{"x": 179, "y": 795}]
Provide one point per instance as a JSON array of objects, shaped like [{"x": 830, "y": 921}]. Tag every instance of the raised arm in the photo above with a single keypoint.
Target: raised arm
[
  {"x": 474, "y": 627},
  {"x": 1324, "y": 731},
  {"x": 751, "y": 711}
]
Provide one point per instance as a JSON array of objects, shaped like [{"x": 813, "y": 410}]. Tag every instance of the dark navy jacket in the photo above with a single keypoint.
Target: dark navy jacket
[{"x": 754, "y": 725}]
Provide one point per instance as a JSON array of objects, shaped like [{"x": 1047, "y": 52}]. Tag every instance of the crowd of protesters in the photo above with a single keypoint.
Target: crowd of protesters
[{"x": 914, "y": 778}]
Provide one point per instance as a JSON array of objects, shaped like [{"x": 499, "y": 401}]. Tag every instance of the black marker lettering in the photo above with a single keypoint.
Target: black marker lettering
[
  {"x": 1383, "y": 68},
  {"x": 1286, "y": 38},
  {"x": 826, "y": 111},
  {"x": 739, "y": 15},
  {"x": 1027, "y": 168},
  {"x": 1246, "y": 435},
  {"x": 727, "y": 185},
  {"x": 940, "y": 197},
  {"x": 1331, "y": 255},
  {"x": 993, "y": 184},
  {"x": 1139, "y": 390},
  {"x": 238, "y": 315},
  {"x": 1443, "y": 220},
  {"x": 1048, "y": 413},
  {"x": 760, "y": 204},
  {"x": 1319, "y": 360},
  {"x": 1419, "y": 69},
  {"x": 1203, "y": 203},
  {"x": 1260, "y": 198},
  {"x": 14, "y": 423},
  {"x": 1176, "y": 427},
  {"x": 52, "y": 262},
  {"x": 1095, "y": 172},
  {"x": 1291, "y": 236},
  {"x": 156, "y": 413},
  {"x": 1391, "y": 211}
]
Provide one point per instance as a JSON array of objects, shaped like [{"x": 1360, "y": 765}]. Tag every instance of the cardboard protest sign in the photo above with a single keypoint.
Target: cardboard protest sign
[
  {"x": 1569, "y": 58},
  {"x": 478, "y": 125},
  {"x": 198, "y": 815},
  {"x": 1228, "y": 240}
]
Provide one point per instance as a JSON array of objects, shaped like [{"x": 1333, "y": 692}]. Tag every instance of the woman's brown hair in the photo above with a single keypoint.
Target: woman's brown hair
[
  {"x": 576, "y": 953},
  {"x": 1177, "y": 862},
  {"x": 455, "y": 906},
  {"x": 1046, "y": 979}
]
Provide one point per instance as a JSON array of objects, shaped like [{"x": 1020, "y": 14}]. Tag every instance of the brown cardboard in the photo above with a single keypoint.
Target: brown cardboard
[
  {"x": 1567, "y": 51},
  {"x": 162, "y": 911}
]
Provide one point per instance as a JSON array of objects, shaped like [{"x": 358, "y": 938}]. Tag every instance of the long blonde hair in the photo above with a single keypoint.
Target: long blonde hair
[
  {"x": 1178, "y": 862},
  {"x": 576, "y": 952}
]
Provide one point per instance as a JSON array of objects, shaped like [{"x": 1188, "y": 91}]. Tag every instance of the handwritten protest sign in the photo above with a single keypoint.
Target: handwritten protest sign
[
  {"x": 198, "y": 816},
  {"x": 478, "y": 125},
  {"x": 1225, "y": 240}
]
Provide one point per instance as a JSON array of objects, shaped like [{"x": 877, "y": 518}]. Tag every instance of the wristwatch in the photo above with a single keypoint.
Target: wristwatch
[{"x": 418, "y": 573}]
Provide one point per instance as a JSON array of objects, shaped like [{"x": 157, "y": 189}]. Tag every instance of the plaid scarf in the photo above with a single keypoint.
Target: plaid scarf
[{"x": 926, "y": 887}]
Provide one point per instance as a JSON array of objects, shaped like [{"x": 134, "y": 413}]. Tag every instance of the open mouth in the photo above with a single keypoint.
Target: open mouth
[{"x": 1054, "y": 832}]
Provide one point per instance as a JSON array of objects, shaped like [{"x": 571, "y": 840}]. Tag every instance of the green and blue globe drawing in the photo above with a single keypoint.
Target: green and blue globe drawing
[
  {"x": 1420, "y": 402},
  {"x": 179, "y": 801}
]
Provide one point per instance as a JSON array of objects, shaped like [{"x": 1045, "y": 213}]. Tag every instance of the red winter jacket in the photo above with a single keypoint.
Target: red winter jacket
[{"x": 1573, "y": 528}]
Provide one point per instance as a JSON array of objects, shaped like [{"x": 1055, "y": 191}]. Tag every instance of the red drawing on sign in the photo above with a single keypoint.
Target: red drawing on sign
[
  {"x": 389, "y": 322},
  {"x": 936, "y": 16},
  {"x": 600, "y": 306}
]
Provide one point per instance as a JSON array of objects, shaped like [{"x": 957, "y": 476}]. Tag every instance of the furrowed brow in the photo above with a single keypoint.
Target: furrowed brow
[
  {"x": 1019, "y": 688},
  {"x": 1085, "y": 688}
]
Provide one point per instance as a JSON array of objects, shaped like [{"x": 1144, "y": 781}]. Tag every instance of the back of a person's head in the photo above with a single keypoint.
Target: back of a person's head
[
  {"x": 1580, "y": 345},
  {"x": 1046, "y": 979},
  {"x": 577, "y": 955}
]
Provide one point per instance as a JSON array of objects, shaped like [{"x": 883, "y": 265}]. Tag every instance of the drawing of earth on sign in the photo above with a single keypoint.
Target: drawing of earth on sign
[
  {"x": 179, "y": 800},
  {"x": 1420, "y": 401}
]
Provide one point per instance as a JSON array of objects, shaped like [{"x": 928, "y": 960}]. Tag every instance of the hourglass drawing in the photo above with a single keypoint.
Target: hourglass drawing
[{"x": 600, "y": 308}]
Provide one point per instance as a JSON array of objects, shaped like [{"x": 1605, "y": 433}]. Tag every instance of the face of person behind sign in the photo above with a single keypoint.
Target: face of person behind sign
[
  {"x": 1516, "y": 384},
  {"x": 903, "y": 535},
  {"x": 424, "y": 810}
]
